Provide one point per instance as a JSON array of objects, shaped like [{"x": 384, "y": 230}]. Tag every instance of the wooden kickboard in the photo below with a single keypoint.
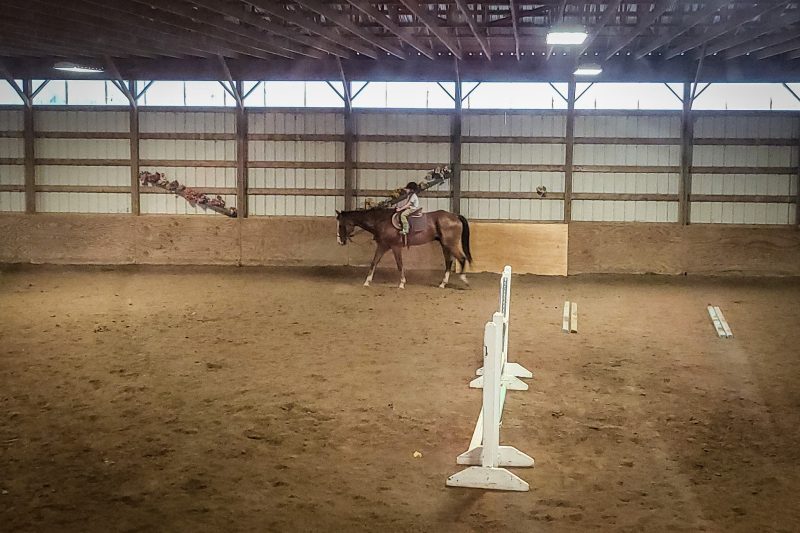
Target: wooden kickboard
[
  {"x": 569, "y": 323},
  {"x": 720, "y": 324}
]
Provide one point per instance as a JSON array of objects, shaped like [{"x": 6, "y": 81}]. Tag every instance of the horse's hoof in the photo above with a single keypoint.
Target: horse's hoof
[
  {"x": 366, "y": 283},
  {"x": 401, "y": 286},
  {"x": 442, "y": 285}
]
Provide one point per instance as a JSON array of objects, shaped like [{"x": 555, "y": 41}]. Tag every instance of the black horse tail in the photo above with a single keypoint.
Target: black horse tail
[{"x": 465, "y": 237}]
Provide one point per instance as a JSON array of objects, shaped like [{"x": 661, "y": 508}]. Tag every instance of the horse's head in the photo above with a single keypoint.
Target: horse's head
[{"x": 345, "y": 229}]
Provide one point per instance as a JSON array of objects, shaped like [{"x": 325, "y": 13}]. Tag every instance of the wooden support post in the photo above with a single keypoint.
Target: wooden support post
[
  {"x": 349, "y": 132},
  {"x": 797, "y": 192},
  {"x": 29, "y": 147},
  {"x": 569, "y": 150},
  {"x": 455, "y": 149},
  {"x": 241, "y": 153},
  {"x": 134, "y": 133},
  {"x": 687, "y": 145}
]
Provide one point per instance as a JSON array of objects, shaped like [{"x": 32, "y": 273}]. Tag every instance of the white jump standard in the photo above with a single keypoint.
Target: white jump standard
[
  {"x": 485, "y": 450},
  {"x": 511, "y": 371}
]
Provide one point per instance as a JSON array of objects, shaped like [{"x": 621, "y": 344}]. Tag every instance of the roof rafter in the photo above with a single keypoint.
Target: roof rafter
[
  {"x": 342, "y": 20},
  {"x": 309, "y": 25},
  {"x": 608, "y": 15},
  {"x": 473, "y": 25},
  {"x": 644, "y": 22},
  {"x": 708, "y": 10},
  {"x": 717, "y": 30},
  {"x": 754, "y": 41},
  {"x": 788, "y": 46},
  {"x": 430, "y": 22},
  {"x": 389, "y": 24},
  {"x": 260, "y": 22},
  {"x": 515, "y": 24}
]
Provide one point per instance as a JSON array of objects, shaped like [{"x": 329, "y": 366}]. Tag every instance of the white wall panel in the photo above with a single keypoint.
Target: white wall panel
[
  {"x": 627, "y": 183},
  {"x": 512, "y": 153},
  {"x": 81, "y": 121},
  {"x": 742, "y": 213},
  {"x": 513, "y": 124},
  {"x": 198, "y": 176},
  {"x": 402, "y": 152},
  {"x": 308, "y": 151},
  {"x": 502, "y": 209},
  {"x": 296, "y": 123},
  {"x": 280, "y": 205},
  {"x": 173, "y": 149},
  {"x": 511, "y": 181},
  {"x": 12, "y": 201},
  {"x": 631, "y": 155},
  {"x": 383, "y": 179},
  {"x": 74, "y": 202},
  {"x": 743, "y": 184},
  {"x": 11, "y": 120},
  {"x": 12, "y": 175},
  {"x": 296, "y": 178},
  {"x": 83, "y": 148},
  {"x": 624, "y": 211},
  {"x": 620, "y": 126},
  {"x": 83, "y": 175},
  {"x": 382, "y": 123},
  {"x": 12, "y": 147},
  {"x": 747, "y": 126},
  {"x": 745, "y": 156},
  {"x": 186, "y": 122},
  {"x": 163, "y": 203}
]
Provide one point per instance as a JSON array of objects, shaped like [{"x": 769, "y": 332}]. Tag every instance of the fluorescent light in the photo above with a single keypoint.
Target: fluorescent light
[
  {"x": 66, "y": 66},
  {"x": 568, "y": 35},
  {"x": 588, "y": 70}
]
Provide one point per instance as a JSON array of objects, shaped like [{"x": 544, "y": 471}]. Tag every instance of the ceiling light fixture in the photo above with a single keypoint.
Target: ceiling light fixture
[
  {"x": 66, "y": 66},
  {"x": 589, "y": 69},
  {"x": 566, "y": 35}
]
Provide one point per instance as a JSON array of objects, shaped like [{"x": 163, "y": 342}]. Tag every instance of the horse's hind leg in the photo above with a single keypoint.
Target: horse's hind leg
[
  {"x": 448, "y": 265},
  {"x": 458, "y": 252},
  {"x": 398, "y": 256}
]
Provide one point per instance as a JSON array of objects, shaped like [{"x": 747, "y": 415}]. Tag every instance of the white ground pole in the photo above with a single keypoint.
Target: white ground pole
[
  {"x": 511, "y": 371},
  {"x": 485, "y": 450}
]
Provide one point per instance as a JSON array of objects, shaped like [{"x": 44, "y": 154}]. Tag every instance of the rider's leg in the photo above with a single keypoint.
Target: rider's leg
[{"x": 404, "y": 220}]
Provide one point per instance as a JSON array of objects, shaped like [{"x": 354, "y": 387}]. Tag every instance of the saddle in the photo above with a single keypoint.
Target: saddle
[{"x": 413, "y": 220}]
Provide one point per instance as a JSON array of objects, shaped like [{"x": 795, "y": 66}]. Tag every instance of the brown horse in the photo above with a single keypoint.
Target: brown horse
[{"x": 452, "y": 232}]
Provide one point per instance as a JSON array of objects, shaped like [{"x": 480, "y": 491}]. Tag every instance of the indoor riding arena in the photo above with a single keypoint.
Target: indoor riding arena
[{"x": 399, "y": 266}]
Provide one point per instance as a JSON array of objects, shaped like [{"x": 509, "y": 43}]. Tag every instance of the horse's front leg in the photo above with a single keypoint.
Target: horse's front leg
[
  {"x": 398, "y": 256},
  {"x": 380, "y": 250}
]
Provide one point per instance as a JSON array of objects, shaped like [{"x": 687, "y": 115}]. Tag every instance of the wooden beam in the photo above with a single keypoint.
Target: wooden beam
[
  {"x": 747, "y": 44},
  {"x": 708, "y": 10},
  {"x": 86, "y": 20},
  {"x": 248, "y": 17},
  {"x": 514, "y": 24},
  {"x": 344, "y": 22},
  {"x": 349, "y": 142},
  {"x": 13, "y": 83},
  {"x": 569, "y": 150},
  {"x": 134, "y": 136},
  {"x": 788, "y": 46},
  {"x": 455, "y": 145},
  {"x": 645, "y": 21},
  {"x": 294, "y": 17},
  {"x": 232, "y": 85},
  {"x": 687, "y": 134},
  {"x": 745, "y": 198},
  {"x": 608, "y": 15},
  {"x": 221, "y": 27},
  {"x": 242, "y": 127},
  {"x": 476, "y": 31},
  {"x": 368, "y": 9},
  {"x": 736, "y": 20},
  {"x": 432, "y": 23},
  {"x": 29, "y": 144}
]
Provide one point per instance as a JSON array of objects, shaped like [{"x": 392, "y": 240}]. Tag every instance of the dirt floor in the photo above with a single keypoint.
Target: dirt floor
[{"x": 231, "y": 399}]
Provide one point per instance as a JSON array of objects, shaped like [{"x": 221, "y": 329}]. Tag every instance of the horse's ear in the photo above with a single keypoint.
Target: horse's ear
[{"x": 338, "y": 212}]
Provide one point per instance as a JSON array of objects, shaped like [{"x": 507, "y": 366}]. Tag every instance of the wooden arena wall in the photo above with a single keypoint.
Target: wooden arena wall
[{"x": 626, "y": 191}]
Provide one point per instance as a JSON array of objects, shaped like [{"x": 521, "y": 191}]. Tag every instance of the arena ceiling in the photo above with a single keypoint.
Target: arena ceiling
[{"x": 662, "y": 40}]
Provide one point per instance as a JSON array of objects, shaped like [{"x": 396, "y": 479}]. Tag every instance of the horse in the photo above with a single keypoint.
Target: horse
[{"x": 451, "y": 230}]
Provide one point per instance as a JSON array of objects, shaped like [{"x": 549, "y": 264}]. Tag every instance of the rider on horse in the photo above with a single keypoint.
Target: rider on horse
[{"x": 408, "y": 206}]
